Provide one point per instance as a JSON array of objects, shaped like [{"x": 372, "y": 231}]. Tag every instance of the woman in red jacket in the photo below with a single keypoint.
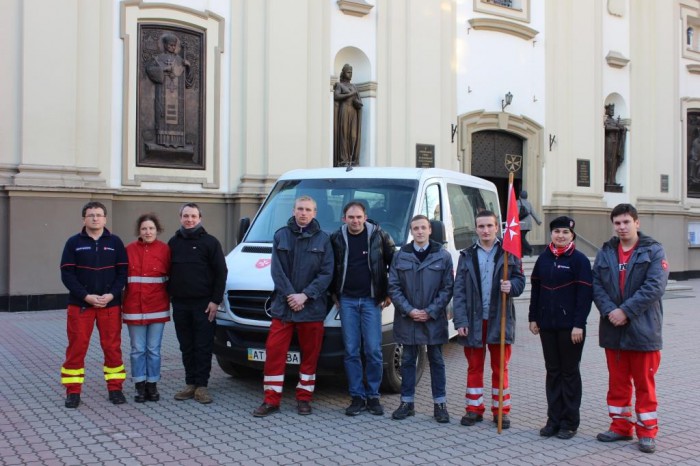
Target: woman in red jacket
[{"x": 146, "y": 305}]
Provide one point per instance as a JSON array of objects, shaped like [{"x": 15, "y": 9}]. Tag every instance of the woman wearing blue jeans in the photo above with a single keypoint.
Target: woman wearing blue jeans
[{"x": 146, "y": 305}]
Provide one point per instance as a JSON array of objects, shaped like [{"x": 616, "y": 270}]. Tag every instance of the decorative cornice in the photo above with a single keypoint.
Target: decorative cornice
[
  {"x": 506, "y": 27},
  {"x": 616, "y": 59},
  {"x": 693, "y": 68},
  {"x": 354, "y": 7}
]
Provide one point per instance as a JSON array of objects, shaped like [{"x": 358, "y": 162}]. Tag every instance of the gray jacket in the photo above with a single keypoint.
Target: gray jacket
[
  {"x": 423, "y": 285},
  {"x": 468, "y": 309},
  {"x": 647, "y": 274},
  {"x": 526, "y": 222},
  {"x": 302, "y": 262}
]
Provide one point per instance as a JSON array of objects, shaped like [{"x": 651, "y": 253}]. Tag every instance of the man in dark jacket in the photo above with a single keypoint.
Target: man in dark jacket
[
  {"x": 94, "y": 268},
  {"x": 363, "y": 253},
  {"x": 477, "y": 316},
  {"x": 196, "y": 286},
  {"x": 420, "y": 286},
  {"x": 302, "y": 270},
  {"x": 629, "y": 278}
]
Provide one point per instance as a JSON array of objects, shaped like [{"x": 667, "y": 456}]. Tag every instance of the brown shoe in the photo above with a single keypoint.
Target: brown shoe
[
  {"x": 265, "y": 410},
  {"x": 201, "y": 395},
  {"x": 185, "y": 394},
  {"x": 303, "y": 407}
]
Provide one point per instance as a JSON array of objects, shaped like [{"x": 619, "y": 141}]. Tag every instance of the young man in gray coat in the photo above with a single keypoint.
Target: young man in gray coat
[
  {"x": 302, "y": 270},
  {"x": 629, "y": 280},
  {"x": 420, "y": 286},
  {"x": 477, "y": 316}
]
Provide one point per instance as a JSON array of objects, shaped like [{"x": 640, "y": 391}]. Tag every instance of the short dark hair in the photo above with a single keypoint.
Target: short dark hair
[
  {"x": 145, "y": 217},
  {"x": 191, "y": 205},
  {"x": 94, "y": 205},
  {"x": 354, "y": 204},
  {"x": 486, "y": 213},
  {"x": 622, "y": 209},
  {"x": 419, "y": 217}
]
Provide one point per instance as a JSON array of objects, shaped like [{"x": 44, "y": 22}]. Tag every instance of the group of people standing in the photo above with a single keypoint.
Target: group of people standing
[
  {"x": 109, "y": 284},
  {"x": 364, "y": 272}
]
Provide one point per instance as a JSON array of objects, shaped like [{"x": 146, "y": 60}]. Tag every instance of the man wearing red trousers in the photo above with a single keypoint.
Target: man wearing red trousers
[
  {"x": 94, "y": 269},
  {"x": 629, "y": 279},
  {"x": 477, "y": 316},
  {"x": 302, "y": 269}
]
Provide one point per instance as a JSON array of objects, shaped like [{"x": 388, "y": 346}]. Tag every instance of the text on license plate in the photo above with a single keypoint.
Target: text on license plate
[{"x": 254, "y": 354}]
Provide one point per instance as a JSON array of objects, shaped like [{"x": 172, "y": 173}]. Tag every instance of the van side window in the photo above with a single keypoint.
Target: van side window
[
  {"x": 465, "y": 203},
  {"x": 432, "y": 203}
]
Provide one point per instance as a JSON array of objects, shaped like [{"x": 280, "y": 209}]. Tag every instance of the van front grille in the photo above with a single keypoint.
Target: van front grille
[{"x": 249, "y": 304}]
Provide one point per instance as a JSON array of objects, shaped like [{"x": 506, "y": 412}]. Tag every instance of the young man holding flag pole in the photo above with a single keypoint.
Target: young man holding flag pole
[
  {"x": 477, "y": 317},
  {"x": 511, "y": 244}
]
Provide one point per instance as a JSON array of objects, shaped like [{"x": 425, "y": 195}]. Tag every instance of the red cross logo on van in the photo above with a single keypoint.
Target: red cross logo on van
[{"x": 262, "y": 263}]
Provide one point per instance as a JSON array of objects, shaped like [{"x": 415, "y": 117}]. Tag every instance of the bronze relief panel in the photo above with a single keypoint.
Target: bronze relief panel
[{"x": 170, "y": 102}]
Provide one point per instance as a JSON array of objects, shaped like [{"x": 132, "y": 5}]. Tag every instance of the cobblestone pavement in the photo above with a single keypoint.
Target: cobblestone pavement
[{"x": 35, "y": 428}]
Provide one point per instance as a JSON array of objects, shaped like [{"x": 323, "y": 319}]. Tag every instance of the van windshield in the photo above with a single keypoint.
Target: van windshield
[{"x": 389, "y": 203}]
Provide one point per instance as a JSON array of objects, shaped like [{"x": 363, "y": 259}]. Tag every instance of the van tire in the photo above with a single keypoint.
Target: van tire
[
  {"x": 391, "y": 379},
  {"x": 234, "y": 370}
]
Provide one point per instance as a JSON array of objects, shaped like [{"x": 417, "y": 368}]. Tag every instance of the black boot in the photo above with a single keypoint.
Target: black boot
[
  {"x": 140, "y": 396},
  {"x": 152, "y": 392}
]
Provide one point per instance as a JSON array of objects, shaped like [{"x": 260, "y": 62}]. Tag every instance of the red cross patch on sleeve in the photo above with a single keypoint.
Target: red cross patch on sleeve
[{"x": 664, "y": 264}]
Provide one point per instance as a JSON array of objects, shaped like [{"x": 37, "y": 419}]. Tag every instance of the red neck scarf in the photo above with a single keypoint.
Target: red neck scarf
[{"x": 561, "y": 251}]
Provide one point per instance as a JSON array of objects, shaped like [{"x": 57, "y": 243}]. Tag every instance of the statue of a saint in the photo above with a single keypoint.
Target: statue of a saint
[
  {"x": 615, "y": 136},
  {"x": 347, "y": 121},
  {"x": 694, "y": 159},
  {"x": 170, "y": 74}
]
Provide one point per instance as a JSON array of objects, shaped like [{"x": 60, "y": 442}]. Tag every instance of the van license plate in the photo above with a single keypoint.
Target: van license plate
[{"x": 254, "y": 354}]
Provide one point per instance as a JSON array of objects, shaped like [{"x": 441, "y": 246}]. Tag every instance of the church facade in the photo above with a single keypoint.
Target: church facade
[{"x": 147, "y": 105}]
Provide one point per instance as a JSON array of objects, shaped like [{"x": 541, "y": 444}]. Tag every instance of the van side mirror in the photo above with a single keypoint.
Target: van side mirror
[
  {"x": 437, "y": 232},
  {"x": 243, "y": 229}
]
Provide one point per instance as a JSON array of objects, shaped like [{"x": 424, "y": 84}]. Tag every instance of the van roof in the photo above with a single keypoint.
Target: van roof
[{"x": 384, "y": 172}]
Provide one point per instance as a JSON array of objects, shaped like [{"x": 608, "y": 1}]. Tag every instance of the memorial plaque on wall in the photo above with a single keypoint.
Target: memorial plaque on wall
[
  {"x": 583, "y": 173},
  {"x": 170, "y": 105},
  {"x": 425, "y": 156}
]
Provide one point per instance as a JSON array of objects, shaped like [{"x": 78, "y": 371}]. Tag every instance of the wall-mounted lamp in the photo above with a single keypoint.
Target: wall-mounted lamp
[
  {"x": 507, "y": 101},
  {"x": 552, "y": 140},
  {"x": 454, "y": 131}
]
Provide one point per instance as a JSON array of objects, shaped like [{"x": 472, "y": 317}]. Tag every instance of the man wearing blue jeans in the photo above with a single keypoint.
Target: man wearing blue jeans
[
  {"x": 420, "y": 286},
  {"x": 363, "y": 252}
]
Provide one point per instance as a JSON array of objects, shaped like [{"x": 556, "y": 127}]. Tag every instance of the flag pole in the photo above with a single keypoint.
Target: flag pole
[{"x": 504, "y": 300}]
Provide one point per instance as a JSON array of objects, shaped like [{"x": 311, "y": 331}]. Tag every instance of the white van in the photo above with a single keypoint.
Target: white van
[{"x": 393, "y": 196}]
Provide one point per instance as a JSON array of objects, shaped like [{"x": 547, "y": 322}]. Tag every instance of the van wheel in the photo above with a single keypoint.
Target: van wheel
[
  {"x": 234, "y": 370},
  {"x": 391, "y": 379}
]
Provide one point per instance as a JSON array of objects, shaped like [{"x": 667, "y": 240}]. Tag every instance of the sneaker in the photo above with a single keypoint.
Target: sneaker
[
  {"x": 404, "y": 410},
  {"x": 549, "y": 430},
  {"x": 201, "y": 395},
  {"x": 471, "y": 418},
  {"x": 440, "y": 413},
  {"x": 610, "y": 436},
  {"x": 186, "y": 393},
  {"x": 647, "y": 444},
  {"x": 566, "y": 434},
  {"x": 303, "y": 407},
  {"x": 265, "y": 410},
  {"x": 505, "y": 423},
  {"x": 375, "y": 407},
  {"x": 356, "y": 407},
  {"x": 117, "y": 397},
  {"x": 72, "y": 400}
]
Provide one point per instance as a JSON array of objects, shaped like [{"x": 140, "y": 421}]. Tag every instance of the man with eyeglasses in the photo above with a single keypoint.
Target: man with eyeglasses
[{"x": 94, "y": 269}]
